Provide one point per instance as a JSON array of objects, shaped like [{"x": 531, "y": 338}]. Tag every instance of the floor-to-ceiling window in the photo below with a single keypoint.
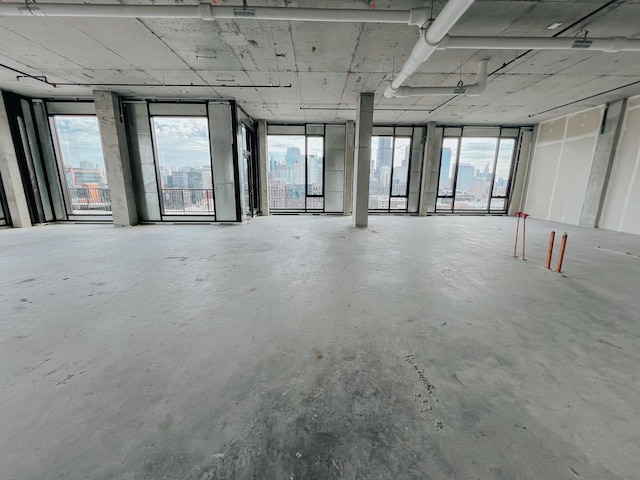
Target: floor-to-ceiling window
[
  {"x": 389, "y": 173},
  {"x": 184, "y": 165},
  {"x": 296, "y": 171},
  {"x": 81, "y": 163},
  {"x": 476, "y": 169}
]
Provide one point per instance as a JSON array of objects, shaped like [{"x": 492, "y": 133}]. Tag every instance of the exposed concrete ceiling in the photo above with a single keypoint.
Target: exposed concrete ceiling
[{"x": 329, "y": 64}]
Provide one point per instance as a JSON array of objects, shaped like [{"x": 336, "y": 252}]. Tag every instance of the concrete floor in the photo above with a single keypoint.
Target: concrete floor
[{"x": 300, "y": 348}]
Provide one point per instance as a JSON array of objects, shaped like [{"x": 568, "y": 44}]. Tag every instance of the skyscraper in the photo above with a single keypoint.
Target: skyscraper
[
  {"x": 445, "y": 166},
  {"x": 385, "y": 152},
  {"x": 466, "y": 174}
]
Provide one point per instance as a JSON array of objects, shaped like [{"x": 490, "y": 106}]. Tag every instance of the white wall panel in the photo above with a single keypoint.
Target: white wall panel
[
  {"x": 561, "y": 164},
  {"x": 621, "y": 209}
]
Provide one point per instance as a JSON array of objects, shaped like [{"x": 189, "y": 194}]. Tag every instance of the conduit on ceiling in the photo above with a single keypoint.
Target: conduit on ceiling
[
  {"x": 207, "y": 11},
  {"x": 433, "y": 33},
  {"x": 472, "y": 90},
  {"x": 44, "y": 79}
]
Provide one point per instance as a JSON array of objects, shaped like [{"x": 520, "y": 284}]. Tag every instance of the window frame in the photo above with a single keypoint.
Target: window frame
[
  {"x": 67, "y": 110},
  {"x": 310, "y": 131},
  {"x": 458, "y": 133},
  {"x": 156, "y": 160},
  {"x": 395, "y": 135}
]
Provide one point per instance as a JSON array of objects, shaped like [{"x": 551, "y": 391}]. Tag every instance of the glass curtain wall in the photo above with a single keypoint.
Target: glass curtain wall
[
  {"x": 296, "y": 172},
  {"x": 184, "y": 165},
  {"x": 389, "y": 173},
  {"x": 82, "y": 164},
  {"x": 475, "y": 174}
]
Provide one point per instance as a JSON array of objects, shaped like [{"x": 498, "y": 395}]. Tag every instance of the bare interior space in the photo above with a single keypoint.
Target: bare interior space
[
  {"x": 304, "y": 348},
  {"x": 319, "y": 239}
]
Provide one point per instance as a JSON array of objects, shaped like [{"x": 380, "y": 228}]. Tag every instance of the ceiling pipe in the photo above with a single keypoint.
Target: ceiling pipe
[
  {"x": 581, "y": 42},
  {"x": 428, "y": 41},
  {"x": 473, "y": 90},
  {"x": 207, "y": 11}
]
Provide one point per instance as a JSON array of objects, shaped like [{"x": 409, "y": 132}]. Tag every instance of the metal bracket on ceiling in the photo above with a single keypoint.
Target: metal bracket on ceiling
[
  {"x": 244, "y": 12},
  {"x": 581, "y": 40},
  {"x": 460, "y": 88},
  {"x": 41, "y": 78}
]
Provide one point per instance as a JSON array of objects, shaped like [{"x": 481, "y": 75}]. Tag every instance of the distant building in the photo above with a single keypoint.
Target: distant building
[
  {"x": 466, "y": 177},
  {"x": 445, "y": 167},
  {"x": 85, "y": 177}
]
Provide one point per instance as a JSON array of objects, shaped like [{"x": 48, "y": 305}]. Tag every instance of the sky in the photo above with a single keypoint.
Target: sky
[
  {"x": 480, "y": 151},
  {"x": 182, "y": 141},
  {"x": 277, "y": 145},
  {"x": 79, "y": 140}
]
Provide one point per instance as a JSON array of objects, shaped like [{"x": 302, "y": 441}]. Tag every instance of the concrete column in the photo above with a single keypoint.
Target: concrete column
[
  {"x": 350, "y": 145},
  {"x": 602, "y": 163},
  {"x": 525, "y": 155},
  {"x": 263, "y": 160},
  {"x": 116, "y": 158},
  {"x": 430, "y": 157},
  {"x": 225, "y": 169},
  {"x": 10, "y": 173},
  {"x": 362, "y": 161}
]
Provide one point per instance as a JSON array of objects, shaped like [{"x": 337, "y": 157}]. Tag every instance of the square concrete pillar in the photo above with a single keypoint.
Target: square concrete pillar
[
  {"x": 10, "y": 173},
  {"x": 116, "y": 158},
  {"x": 362, "y": 160},
  {"x": 430, "y": 158},
  {"x": 348, "y": 167},
  {"x": 264, "y": 167}
]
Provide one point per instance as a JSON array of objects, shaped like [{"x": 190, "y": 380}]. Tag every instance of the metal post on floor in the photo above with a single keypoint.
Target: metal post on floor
[
  {"x": 515, "y": 246},
  {"x": 563, "y": 245},
  {"x": 524, "y": 232},
  {"x": 552, "y": 238}
]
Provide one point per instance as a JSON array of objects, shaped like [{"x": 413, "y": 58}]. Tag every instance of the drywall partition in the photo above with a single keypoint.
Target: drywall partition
[
  {"x": 622, "y": 200},
  {"x": 561, "y": 165}
]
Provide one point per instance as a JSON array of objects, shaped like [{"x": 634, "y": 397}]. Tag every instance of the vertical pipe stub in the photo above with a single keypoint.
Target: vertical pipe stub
[
  {"x": 563, "y": 245},
  {"x": 552, "y": 238}
]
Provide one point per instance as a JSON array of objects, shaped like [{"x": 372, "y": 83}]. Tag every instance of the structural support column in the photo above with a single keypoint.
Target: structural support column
[
  {"x": 602, "y": 163},
  {"x": 116, "y": 158},
  {"x": 349, "y": 151},
  {"x": 264, "y": 167},
  {"x": 10, "y": 173},
  {"x": 430, "y": 161},
  {"x": 362, "y": 160},
  {"x": 523, "y": 161}
]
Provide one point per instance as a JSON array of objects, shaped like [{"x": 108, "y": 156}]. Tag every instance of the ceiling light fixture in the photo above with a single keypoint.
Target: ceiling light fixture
[{"x": 554, "y": 25}]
